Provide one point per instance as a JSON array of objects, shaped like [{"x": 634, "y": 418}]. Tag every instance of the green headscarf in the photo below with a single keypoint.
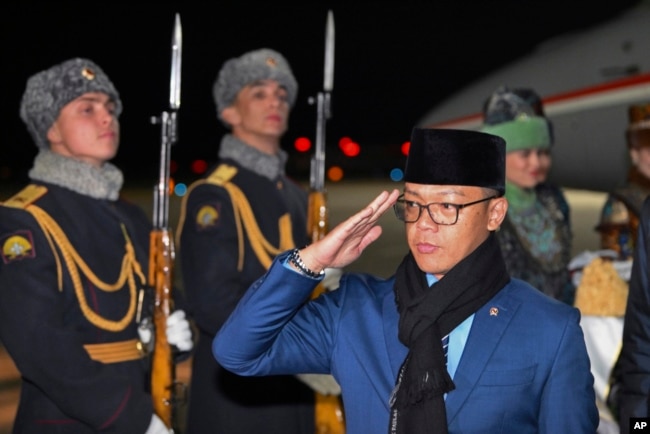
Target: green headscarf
[{"x": 524, "y": 132}]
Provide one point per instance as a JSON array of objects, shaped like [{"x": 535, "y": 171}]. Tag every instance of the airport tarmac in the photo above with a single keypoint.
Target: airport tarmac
[{"x": 381, "y": 258}]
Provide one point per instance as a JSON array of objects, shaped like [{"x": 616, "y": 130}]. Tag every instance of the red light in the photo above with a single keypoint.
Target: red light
[
  {"x": 344, "y": 142},
  {"x": 199, "y": 166},
  {"x": 173, "y": 166},
  {"x": 302, "y": 144},
  {"x": 405, "y": 148},
  {"x": 350, "y": 149}
]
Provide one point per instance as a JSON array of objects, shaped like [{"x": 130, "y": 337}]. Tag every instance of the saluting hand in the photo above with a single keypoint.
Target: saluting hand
[{"x": 345, "y": 243}]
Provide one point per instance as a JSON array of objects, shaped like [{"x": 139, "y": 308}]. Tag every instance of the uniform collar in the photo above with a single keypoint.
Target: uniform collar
[
  {"x": 75, "y": 175},
  {"x": 269, "y": 166}
]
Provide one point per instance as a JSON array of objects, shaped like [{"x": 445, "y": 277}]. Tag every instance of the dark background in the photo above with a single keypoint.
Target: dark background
[{"x": 394, "y": 62}]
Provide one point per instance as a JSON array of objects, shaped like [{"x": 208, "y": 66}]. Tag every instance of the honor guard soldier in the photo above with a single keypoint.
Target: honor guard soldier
[
  {"x": 234, "y": 221},
  {"x": 74, "y": 258}
]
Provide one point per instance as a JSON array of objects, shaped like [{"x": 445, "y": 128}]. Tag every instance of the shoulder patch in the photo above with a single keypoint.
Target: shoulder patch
[
  {"x": 26, "y": 196},
  {"x": 222, "y": 174},
  {"x": 17, "y": 245},
  {"x": 208, "y": 216}
]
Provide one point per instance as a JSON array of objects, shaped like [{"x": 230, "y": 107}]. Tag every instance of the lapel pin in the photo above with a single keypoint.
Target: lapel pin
[{"x": 494, "y": 311}]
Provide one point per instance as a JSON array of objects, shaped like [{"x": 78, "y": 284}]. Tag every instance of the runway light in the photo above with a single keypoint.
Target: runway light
[
  {"x": 405, "y": 148},
  {"x": 199, "y": 166},
  {"x": 349, "y": 147},
  {"x": 302, "y": 144},
  {"x": 396, "y": 175},
  {"x": 180, "y": 189},
  {"x": 335, "y": 173}
]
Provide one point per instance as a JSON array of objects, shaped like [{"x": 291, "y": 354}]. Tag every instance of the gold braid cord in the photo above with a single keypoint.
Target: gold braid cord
[
  {"x": 74, "y": 263},
  {"x": 263, "y": 249}
]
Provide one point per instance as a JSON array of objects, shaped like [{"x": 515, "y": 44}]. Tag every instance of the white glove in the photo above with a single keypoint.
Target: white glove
[
  {"x": 324, "y": 384},
  {"x": 331, "y": 279},
  {"x": 145, "y": 332},
  {"x": 179, "y": 332},
  {"x": 157, "y": 426}
]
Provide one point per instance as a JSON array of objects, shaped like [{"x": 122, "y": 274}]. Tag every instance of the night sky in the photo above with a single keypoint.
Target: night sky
[{"x": 394, "y": 61}]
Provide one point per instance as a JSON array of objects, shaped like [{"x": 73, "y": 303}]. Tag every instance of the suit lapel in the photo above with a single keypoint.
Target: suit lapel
[{"x": 490, "y": 323}]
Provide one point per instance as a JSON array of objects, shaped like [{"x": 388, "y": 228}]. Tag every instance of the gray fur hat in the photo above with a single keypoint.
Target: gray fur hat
[
  {"x": 48, "y": 91},
  {"x": 262, "y": 64}
]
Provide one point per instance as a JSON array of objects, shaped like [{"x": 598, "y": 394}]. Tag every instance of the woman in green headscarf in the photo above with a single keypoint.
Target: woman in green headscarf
[{"x": 536, "y": 235}]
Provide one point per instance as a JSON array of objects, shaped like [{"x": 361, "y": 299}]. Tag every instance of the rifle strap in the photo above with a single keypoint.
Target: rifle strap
[
  {"x": 245, "y": 220},
  {"x": 62, "y": 247}
]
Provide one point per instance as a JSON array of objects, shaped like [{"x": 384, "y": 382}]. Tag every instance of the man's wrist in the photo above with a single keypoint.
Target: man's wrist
[{"x": 297, "y": 262}]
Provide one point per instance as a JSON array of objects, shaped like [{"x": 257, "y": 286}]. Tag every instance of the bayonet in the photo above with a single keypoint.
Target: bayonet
[
  {"x": 177, "y": 55},
  {"x": 328, "y": 82},
  {"x": 317, "y": 217},
  {"x": 169, "y": 130}
]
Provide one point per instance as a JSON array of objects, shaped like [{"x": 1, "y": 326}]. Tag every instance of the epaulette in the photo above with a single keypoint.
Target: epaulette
[
  {"x": 28, "y": 195},
  {"x": 222, "y": 174}
]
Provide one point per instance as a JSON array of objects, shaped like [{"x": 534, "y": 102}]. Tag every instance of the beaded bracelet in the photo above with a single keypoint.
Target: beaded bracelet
[{"x": 295, "y": 259}]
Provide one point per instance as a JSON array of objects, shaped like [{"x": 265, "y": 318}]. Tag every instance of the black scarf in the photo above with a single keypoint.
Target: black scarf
[{"x": 426, "y": 315}]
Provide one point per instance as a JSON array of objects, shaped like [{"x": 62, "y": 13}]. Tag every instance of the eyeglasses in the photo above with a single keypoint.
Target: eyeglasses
[{"x": 442, "y": 213}]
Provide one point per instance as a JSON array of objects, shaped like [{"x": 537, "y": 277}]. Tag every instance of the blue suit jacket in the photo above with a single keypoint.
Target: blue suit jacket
[{"x": 524, "y": 369}]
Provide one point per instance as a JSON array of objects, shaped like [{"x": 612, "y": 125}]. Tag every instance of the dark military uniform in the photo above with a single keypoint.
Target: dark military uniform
[
  {"x": 234, "y": 221},
  {"x": 70, "y": 271},
  {"x": 633, "y": 399}
]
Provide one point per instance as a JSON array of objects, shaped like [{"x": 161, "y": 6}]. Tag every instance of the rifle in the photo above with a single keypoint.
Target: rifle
[
  {"x": 161, "y": 251},
  {"x": 328, "y": 408},
  {"x": 317, "y": 224}
]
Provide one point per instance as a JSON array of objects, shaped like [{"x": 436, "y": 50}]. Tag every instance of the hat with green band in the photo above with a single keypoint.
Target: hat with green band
[{"x": 517, "y": 116}]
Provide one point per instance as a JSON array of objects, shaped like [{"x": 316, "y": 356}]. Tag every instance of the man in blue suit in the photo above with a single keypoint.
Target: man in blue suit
[{"x": 516, "y": 360}]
